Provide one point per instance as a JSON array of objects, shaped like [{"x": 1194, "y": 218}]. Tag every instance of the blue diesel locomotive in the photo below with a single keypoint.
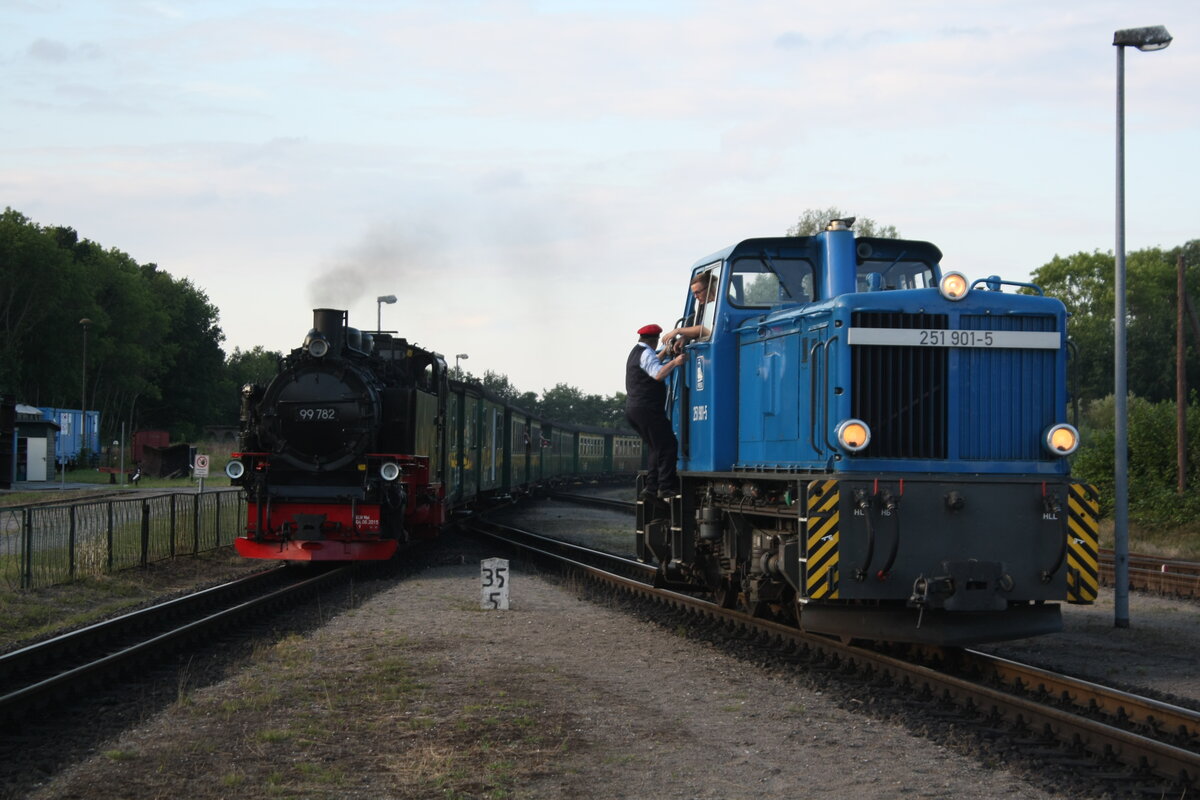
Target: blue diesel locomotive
[{"x": 873, "y": 447}]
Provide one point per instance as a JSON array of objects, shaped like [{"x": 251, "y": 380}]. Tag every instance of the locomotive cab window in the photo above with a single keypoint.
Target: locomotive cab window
[
  {"x": 702, "y": 305},
  {"x": 765, "y": 281},
  {"x": 875, "y": 276}
]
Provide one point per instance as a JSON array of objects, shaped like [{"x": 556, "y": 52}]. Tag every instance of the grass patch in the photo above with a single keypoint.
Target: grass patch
[
  {"x": 232, "y": 780},
  {"x": 321, "y": 773},
  {"x": 37, "y": 613}
]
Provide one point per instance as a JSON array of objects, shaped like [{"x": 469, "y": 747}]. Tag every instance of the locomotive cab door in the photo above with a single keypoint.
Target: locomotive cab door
[{"x": 690, "y": 402}]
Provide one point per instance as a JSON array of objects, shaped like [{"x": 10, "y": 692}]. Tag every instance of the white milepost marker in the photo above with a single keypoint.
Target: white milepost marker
[{"x": 495, "y": 583}]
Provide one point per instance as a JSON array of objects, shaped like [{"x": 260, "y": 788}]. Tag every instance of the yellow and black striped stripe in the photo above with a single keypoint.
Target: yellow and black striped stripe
[
  {"x": 1083, "y": 537},
  {"x": 821, "y": 575}
]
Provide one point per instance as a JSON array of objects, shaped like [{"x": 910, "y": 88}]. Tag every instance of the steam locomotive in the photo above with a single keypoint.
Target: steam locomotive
[
  {"x": 362, "y": 442},
  {"x": 873, "y": 447}
]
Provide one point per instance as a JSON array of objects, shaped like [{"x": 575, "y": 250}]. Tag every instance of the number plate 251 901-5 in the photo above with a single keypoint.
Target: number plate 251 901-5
[{"x": 936, "y": 337}]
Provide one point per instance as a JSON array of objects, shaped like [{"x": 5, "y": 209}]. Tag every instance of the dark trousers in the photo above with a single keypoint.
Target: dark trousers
[{"x": 662, "y": 446}]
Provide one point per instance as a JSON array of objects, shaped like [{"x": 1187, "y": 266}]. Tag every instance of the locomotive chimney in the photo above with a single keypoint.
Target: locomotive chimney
[{"x": 331, "y": 323}]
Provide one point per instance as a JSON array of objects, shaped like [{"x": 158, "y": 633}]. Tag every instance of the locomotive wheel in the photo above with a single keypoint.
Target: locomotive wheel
[
  {"x": 727, "y": 594},
  {"x": 783, "y": 613}
]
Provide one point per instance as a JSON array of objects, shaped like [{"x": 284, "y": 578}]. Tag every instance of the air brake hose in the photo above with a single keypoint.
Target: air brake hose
[
  {"x": 862, "y": 503},
  {"x": 1048, "y": 575},
  {"x": 889, "y": 503}
]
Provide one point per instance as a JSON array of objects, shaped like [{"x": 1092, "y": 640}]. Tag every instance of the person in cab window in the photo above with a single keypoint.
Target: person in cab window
[{"x": 696, "y": 326}]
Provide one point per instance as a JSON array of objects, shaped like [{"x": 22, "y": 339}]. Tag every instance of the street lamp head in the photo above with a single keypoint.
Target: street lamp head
[
  {"x": 1144, "y": 39},
  {"x": 387, "y": 298},
  {"x": 85, "y": 322},
  {"x": 463, "y": 356}
]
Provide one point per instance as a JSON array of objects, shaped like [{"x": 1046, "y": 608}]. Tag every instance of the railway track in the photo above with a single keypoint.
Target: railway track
[
  {"x": 1111, "y": 738},
  {"x": 41, "y": 676},
  {"x": 1155, "y": 574},
  {"x": 1147, "y": 573}
]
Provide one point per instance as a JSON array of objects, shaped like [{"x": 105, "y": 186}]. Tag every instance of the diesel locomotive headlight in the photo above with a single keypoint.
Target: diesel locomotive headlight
[
  {"x": 235, "y": 469},
  {"x": 318, "y": 348},
  {"x": 1062, "y": 440},
  {"x": 953, "y": 286},
  {"x": 853, "y": 435},
  {"x": 389, "y": 471}
]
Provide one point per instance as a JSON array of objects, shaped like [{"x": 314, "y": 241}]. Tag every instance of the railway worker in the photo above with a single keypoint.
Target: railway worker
[
  {"x": 645, "y": 410},
  {"x": 704, "y": 290}
]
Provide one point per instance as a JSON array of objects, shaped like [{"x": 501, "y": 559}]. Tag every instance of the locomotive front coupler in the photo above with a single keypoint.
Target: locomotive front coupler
[
  {"x": 966, "y": 586},
  {"x": 924, "y": 589}
]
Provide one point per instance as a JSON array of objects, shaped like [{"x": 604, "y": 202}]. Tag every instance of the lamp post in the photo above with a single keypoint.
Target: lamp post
[
  {"x": 457, "y": 358},
  {"x": 379, "y": 301},
  {"x": 1146, "y": 39},
  {"x": 85, "y": 322}
]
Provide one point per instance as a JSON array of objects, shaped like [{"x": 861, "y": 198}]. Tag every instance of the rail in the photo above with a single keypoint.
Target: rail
[
  {"x": 42, "y": 676},
  {"x": 46, "y": 545},
  {"x": 1106, "y": 736}
]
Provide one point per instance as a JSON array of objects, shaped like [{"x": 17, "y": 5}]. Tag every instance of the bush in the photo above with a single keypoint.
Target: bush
[{"x": 1153, "y": 471}]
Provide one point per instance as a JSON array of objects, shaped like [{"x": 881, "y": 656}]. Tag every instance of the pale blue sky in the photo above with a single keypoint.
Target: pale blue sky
[{"x": 534, "y": 179}]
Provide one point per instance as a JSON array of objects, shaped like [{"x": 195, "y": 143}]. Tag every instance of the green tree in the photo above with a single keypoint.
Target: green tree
[
  {"x": 562, "y": 403},
  {"x": 37, "y": 307},
  {"x": 500, "y": 385},
  {"x": 256, "y": 365},
  {"x": 1084, "y": 283},
  {"x": 195, "y": 364},
  {"x": 153, "y": 344},
  {"x": 1153, "y": 472},
  {"x": 814, "y": 220}
]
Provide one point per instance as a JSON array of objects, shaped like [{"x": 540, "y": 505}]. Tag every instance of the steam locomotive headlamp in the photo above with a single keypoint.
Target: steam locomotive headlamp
[
  {"x": 953, "y": 286},
  {"x": 317, "y": 348},
  {"x": 235, "y": 469},
  {"x": 853, "y": 435},
  {"x": 1062, "y": 440},
  {"x": 389, "y": 471}
]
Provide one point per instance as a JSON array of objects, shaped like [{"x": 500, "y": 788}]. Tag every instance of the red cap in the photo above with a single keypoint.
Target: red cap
[{"x": 649, "y": 330}]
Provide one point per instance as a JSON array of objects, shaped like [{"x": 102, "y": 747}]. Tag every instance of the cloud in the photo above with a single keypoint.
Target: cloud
[
  {"x": 791, "y": 40},
  {"x": 55, "y": 52}
]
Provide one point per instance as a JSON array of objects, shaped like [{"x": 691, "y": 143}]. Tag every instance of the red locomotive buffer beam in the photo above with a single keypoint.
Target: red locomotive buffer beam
[
  {"x": 315, "y": 532},
  {"x": 404, "y": 507}
]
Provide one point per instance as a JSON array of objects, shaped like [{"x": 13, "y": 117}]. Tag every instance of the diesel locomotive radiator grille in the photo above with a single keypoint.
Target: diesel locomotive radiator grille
[
  {"x": 1007, "y": 395},
  {"x": 901, "y": 391},
  {"x": 1000, "y": 401}
]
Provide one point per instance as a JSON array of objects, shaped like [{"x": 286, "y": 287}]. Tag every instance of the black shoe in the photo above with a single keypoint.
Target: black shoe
[
  {"x": 648, "y": 495},
  {"x": 667, "y": 494}
]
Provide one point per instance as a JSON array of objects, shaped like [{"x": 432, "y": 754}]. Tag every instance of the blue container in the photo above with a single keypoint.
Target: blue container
[{"x": 71, "y": 435}]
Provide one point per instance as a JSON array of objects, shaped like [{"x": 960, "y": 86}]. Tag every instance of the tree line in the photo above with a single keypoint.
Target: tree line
[
  {"x": 1085, "y": 283},
  {"x": 153, "y": 345}
]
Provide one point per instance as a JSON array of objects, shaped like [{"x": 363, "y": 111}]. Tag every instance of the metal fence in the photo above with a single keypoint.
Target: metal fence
[{"x": 46, "y": 545}]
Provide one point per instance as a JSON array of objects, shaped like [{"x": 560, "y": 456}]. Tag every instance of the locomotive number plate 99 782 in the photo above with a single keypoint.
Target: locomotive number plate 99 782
[
  {"x": 938, "y": 337},
  {"x": 308, "y": 414}
]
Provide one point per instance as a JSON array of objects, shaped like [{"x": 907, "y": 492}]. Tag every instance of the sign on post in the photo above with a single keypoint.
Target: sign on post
[
  {"x": 200, "y": 468},
  {"x": 494, "y": 576}
]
